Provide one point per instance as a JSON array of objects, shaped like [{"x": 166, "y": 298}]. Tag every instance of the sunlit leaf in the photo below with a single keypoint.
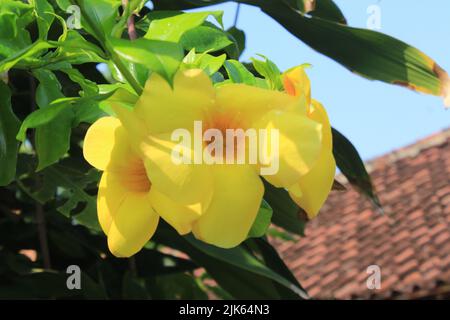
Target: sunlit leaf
[
  {"x": 170, "y": 26},
  {"x": 161, "y": 57}
]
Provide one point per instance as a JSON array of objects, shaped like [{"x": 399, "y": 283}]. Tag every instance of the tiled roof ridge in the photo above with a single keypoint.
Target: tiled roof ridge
[
  {"x": 411, "y": 243},
  {"x": 411, "y": 150}
]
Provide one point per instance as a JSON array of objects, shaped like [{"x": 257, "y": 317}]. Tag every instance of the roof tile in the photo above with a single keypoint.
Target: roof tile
[{"x": 410, "y": 242}]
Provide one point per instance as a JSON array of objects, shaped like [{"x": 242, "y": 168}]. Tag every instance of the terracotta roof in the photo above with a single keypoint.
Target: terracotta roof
[{"x": 410, "y": 243}]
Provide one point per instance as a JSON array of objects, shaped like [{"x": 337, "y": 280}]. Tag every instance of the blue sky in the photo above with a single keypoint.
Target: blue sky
[{"x": 375, "y": 116}]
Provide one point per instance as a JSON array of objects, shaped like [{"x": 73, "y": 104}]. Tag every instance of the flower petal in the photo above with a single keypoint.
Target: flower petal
[
  {"x": 187, "y": 184},
  {"x": 312, "y": 189},
  {"x": 296, "y": 83},
  {"x": 107, "y": 145},
  {"x": 238, "y": 192},
  {"x": 178, "y": 216},
  {"x": 248, "y": 103},
  {"x": 111, "y": 193},
  {"x": 99, "y": 142},
  {"x": 319, "y": 114},
  {"x": 298, "y": 146},
  {"x": 133, "y": 225},
  {"x": 164, "y": 109}
]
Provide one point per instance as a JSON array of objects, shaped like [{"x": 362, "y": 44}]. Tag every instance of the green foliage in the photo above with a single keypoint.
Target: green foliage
[
  {"x": 365, "y": 52},
  {"x": 352, "y": 167},
  {"x": 51, "y": 91},
  {"x": 9, "y": 126}
]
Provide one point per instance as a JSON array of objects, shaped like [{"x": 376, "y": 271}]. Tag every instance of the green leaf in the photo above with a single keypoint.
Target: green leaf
[
  {"x": 152, "y": 262},
  {"x": 368, "y": 53},
  {"x": 210, "y": 64},
  {"x": 262, "y": 221},
  {"x": 15, "y": 16},
  {"x": 98, "y": 17},
  {"x": 89, "y": 88},
  {"x": 23, "y": 56},
  {"x": 71, "y": 185},
  {"x": 44, "y": 17},
  {"x": 184, "y": 4},
  {"x": 119, "y": 95},
  {"x": 133, "y": 288},
  {"x": 170, "y": 26},
  {"x": 52, "y": 138},
  {"x": 236, "y": 270},
  {"x": 177, "y": 286},
  {"x": 161, "y": 57},
  {"x": 325, "y": 9},
  {"x": 9, "y": 126},
  {"x": 239, "y": 38},
  {"x": 42, "y": 117},
  {"x": 352, "y": 167},
  {"x": 286, "y": 213},
  {"x": 269, "y": 71},
  {"x": 75, "y": 49},
  {"x": 240, "y": 258},
  {"x": 274, "y": 261},
  {"x": 238, "y": 73},
  {"x": 41, "y": 284},
  {"x": 205, "y": 39},
  {"x": 78, "y": 106}
]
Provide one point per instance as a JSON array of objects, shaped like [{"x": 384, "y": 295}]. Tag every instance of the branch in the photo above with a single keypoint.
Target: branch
[{"x": 40, "y": 215}]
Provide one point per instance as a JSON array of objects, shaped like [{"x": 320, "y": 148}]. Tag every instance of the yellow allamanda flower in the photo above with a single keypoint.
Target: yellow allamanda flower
[
  {"x": 218, "y": 203},
  {"x": 312, "y": 189}
]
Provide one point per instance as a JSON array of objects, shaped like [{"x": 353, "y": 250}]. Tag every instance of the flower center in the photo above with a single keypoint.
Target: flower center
[
  {"x": 232, "y": 130},
  {"x": 135, "y": 177}
]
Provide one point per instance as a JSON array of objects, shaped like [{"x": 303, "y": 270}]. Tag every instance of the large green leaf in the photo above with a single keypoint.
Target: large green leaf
[
  {"x": 9, "y": 126},
  {"x": 286, "y": 213},
  {"x": 274, "y": 261},
  {"x": 262, "y": 221},
  {"x": 325, "y": 9},
  {"x": 236, "y": 270},
  {"x": 176, "y": 286},
  {"x": 368, "y": 53},
  {"x": 162, "y": 57},
  {"x": 242, "y": 259},
  {"x": 352, "y": 167},
  {"x": 184, "y": 4}
]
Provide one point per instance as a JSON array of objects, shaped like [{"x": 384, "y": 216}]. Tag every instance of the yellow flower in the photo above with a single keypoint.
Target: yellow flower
[
  {"x": 312, "y": 189},
  {"x": 218, "y": 203}
]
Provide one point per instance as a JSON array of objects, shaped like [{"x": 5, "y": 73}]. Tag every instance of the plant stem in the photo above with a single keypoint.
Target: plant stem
[
  {"x": 130, "y": 22},
  {"x": 236, "y": 16},
  {"x": 126, "y": 73},
  {"x": 42, "y": 231},
  {"x": 133, "y": 267},
  {"x": 116, "y": 59},
  {"x": 40, "y": 215}
]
